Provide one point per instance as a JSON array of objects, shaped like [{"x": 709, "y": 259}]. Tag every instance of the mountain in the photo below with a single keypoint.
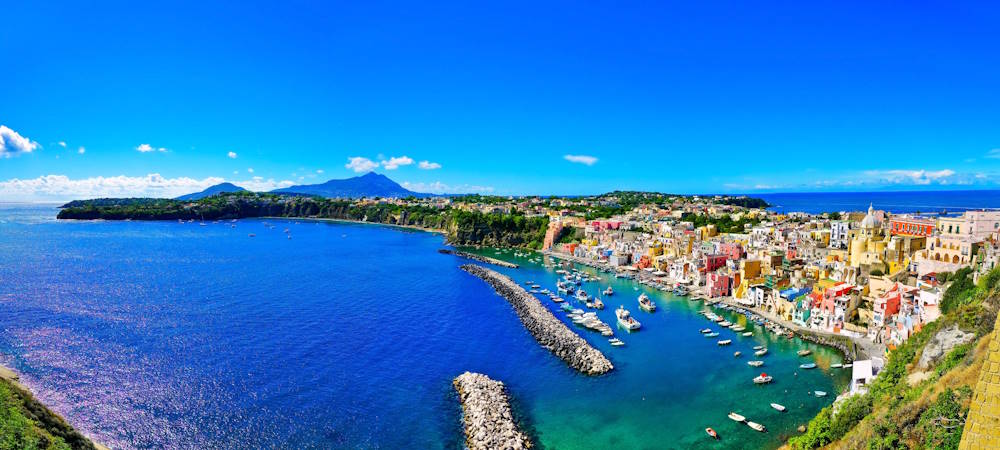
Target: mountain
[
  {"x": 367, "y": 185},
  {"x": 212, "y": 190}
]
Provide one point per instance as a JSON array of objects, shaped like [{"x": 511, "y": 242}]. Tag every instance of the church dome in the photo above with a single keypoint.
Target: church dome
[{"x": 870, "y": 221}]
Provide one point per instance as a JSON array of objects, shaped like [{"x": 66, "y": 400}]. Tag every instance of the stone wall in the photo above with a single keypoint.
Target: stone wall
[{"x": 982, "y": 426}]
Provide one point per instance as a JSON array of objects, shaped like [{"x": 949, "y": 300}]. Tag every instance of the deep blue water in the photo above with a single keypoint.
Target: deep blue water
[
  {"x": 167, "y": 335},
  {"x": 897, "y": 202}
]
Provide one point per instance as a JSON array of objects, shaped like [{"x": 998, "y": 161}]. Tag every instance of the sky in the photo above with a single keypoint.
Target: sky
[{"x": 144, "y": 98}]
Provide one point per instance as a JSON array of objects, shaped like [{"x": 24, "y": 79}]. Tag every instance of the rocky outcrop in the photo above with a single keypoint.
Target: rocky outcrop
[
  {"x": 480, "y": 258},
  {"x": 942, "y": 343},
  {"x": 486, "y": 414},
  {"x": 545, "y": 327}
]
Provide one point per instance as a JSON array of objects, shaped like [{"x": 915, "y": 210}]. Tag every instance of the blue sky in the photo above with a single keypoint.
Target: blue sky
[{"x": 721, "y": 97}]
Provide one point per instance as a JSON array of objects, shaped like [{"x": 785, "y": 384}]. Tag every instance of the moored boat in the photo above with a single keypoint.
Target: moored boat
[
  {"x": 712, "y": 335},
  {"x": 706, "y": 331},
  {"x": 778, "y": 407},
  {"x": 725, "y": 342},
  {"x": 736, "y": 417},
  {"x": 760, "y": 352},
  {"x": 609, "y": 291},
  {"x": 645, "y": 303},
  {"x": 625, "y": 319},
  {"x": 820, "y": 394},
  {"x": 807, "y": 366},
  {"x": 804, "y": 352},
  {"x": 836, "y": 366},
  {"x": 712, "y": 433},
  {"x": 756, "y": 426},
  {"x": 755, "y": 363},
  {"x": 598, "y": 303},
  {"x": 748, "y": 334},
  {"x": 763, "y": 378}
]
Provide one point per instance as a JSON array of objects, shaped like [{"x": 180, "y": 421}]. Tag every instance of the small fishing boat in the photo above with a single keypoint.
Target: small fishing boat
[
  {"x": 598, "y": 304},
  {"x": 763, "y": 378},
  {"x": 778, "y": 407},
  {"x": 625, "y": 319},
  {"x": 706, "y": 331},
  {"x": 755, "y": 363},
  {"x": 756, "y": 426},
  {"x": 820, "y": 394},
  {"x": 712, "y": 335},
  {"x": 681, "y": 290},
  {"x": 646, "y": 304},
  {"x": 807, "y": 366},
  {"x": 616, "y": 342},
  {"x": 836, "y": 366},
  {"x": 758, "y": 347},
  {"x": 609, "y": 291},
  {"x": 725, "y": 342},
  {"x": 748, "y": 334},
  {"x": 737, "y": 354},
  {"x": 804, "y": 352},
  {"x": 725, "y": 323},
  {"x": 737, "y": 417},
  {"x": 761, "y": 352},
  {"x": 848, "y": 365},
  {"x": 737, "y": 328},
  {"x": 712, "y": 433}
]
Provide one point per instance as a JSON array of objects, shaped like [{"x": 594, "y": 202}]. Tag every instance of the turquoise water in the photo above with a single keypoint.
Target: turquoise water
[{"x": 167, "y": 335}]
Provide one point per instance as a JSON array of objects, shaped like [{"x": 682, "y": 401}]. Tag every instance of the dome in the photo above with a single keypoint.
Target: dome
[{"x": 870, "y": 221}]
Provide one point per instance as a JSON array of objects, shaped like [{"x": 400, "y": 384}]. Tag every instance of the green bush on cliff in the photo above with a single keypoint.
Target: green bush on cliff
[{"x": 19, "y": 432}]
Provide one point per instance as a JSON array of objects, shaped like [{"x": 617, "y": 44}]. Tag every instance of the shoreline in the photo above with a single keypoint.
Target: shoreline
[
  {"x": 351, "y": 221},
  {"x": 43, "y": 416}
]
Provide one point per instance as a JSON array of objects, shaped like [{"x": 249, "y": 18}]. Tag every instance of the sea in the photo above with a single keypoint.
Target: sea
[
  {"x": 926, "y": 202},
  {"x": 320, "y": 334}
]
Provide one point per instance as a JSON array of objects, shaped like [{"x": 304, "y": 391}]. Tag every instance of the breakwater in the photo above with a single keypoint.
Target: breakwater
[
  {"x": 480, "y": 258},
  {"x": 549, "y": 331},
  {"x": 486, "y": 414}
]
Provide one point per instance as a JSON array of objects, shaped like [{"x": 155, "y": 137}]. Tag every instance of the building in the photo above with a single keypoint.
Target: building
[{"x": 911, "y": 226}]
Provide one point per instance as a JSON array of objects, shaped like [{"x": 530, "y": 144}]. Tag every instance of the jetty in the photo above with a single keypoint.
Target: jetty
[
  {"x": 549, "y": 331},
  {"x": 480, "y": 258},
  {"x": 486, "y": 414}
]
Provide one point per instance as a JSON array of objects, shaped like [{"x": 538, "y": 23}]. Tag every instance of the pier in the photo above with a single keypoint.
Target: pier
[
  {"x": 486, "y": 414},
  {"x": 549, "y": 331},
  {"x": 480, "y": 258}
]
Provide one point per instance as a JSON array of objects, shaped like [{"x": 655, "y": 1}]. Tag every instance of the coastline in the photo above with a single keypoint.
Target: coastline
[
  {"x": 44, "y": 417},
  {"x": 359, "y": 222}
]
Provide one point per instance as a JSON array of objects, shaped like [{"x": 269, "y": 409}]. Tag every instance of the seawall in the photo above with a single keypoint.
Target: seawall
[
  {"x": 486, "y": 414},
  {"x": 545, "y": 327},
  {"x": 480, "y": 258}
]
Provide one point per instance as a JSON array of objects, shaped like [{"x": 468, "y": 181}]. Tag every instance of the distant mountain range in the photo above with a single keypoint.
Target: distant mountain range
[
  {"x": 367, "y": 185},
  {"x": 212, "y": 190},
  {"x": 370, "y": 184}
]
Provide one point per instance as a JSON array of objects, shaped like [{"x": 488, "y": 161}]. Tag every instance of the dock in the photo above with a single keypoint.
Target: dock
[{"x": 480, "y": 258}]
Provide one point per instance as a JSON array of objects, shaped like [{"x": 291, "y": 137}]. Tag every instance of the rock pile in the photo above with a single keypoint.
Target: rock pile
[
  {"x": 480, "y": 258},
  {"x": 486, "y": 414},
  {"x": 545, "y": 327}
]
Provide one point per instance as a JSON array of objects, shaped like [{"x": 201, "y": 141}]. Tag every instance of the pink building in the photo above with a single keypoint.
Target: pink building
[
  {"x": 601, "y": 225},
  {"x": 713, "y": 262},
  {"x": 717, "y": 284},
  {"x": 731, "y": 250}
]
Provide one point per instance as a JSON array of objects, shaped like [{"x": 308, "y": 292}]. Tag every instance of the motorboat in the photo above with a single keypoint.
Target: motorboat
[
  {"x": 807, "y": 366},
  {"x": 725, "y": 342},
  {"x": 748, "y": 333},
  {"x": 609, "y": 291},
  {"x": 646, "y": 304},
  {"x": 778, "y": 407},
  {"x": 712, "y": 335},
  {"x": 756, "y": 426},
  {"x": 725, "y": 323},
  {"x": 836, "y": 366},
  {"x": 625, "y": 319},
  {"x": 756, "y": 363},
  {"x": 804, "y": 352},
  {"x": 758, "y": 347},
  {"x": 737, "y": 417},
  {"x": 737, "y": 354},
  {"x": 760, "y": 352},
  {"x": 820, "y": 393},
  {"x": 712, "y": 433},
  {"x": 616, "y": 342},
  {"x": 848, "y": 365},
  {"x": 581, "y": 295},
  {"x": 598, "y": 304},
  {"x": 763, "y": 378},
  {"x": 706, "y": 331},
  {"x": 681, "y": 290}
]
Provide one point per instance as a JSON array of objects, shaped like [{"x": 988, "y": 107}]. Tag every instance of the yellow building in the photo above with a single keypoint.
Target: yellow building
[{"x": 868, "y": 243}]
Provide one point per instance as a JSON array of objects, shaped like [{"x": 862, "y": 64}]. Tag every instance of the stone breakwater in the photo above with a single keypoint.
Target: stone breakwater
[
  {"x": 486, "y": 414},
  {"x": 480, "y": 258},
  {"x": 545, "y": 327}
]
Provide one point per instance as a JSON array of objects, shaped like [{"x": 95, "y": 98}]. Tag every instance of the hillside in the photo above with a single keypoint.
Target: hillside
[
  {"x": 921, "y": 397},
  {"x": 212, "y": 190},
  {"x": 370, "y": 184}
]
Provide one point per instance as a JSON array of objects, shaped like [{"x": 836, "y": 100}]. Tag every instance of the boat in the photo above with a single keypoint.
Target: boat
[
  {"x": 725, "y": 323},
  {"x": 712, "y": 335},
  {"x": 737, "y": 354},
  {"x": 737, "y": 328},
  {"x": 725, "y": 342},
  {"x": 807, "y": 366},
  {"x": 848, "y": 365},
  {"x": 581, "y": 295},
  {"x": 748, "y": 333},
  {"x": 820, "y": 394},
  {"x": 758, "y": 347},
  {"x": 756, "y": 426},
  {"x": 558, "y": 299},
  {"x": 706, "y": 331},
  {"x": 566, "y": 307},
  {"x": 251, "y": 235},
  {"x": 646, "y": 304},
  {"x": 616, "y": 342},
  {"x": 804, "y": 352},
  {"x": 680, "y": 290},
  {"x": 763, "y": 378},
  {"x": 590, "y": 304},
  {"x": 598, "y": 304},
  {"x": 626, "y": 320},
  {"x": 712, "y": 433},
  {"x": 836, "y": 366},
  {"x": 778, "y": 407},
  {"x": 756, "y": 363},
  {"x": 736, "y": 417},
  {"x": 609, "y": 291},
  {"x": 760, "y": 352}
]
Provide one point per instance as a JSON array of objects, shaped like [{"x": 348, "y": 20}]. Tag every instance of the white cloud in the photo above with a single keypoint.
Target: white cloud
[
  {"x": 13, "y": 144},
  {"x": 250, "y": 169},
  {"x": 62, "y": 144},
  {"x": 62, "y": 188},
  {"x": 320, "y": 171},
  {"x": 396, "y": 161},
  {"x": 146, "y": 148},
  {"x": 360, "y": 164},
  {"x": 993, "y": 154},
  {"x": 918, "y": 177},
  {"x": 427, "y": 165},
  {"x": 581, "y": 159},
  {"x": 438, "y": 187},
  {"x": 232, "y": 155},
  {"x": 81, "y": 150}
]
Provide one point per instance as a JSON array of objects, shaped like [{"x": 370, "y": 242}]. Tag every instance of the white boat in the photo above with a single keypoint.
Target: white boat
[
  {"x": 748, "y": 333},
  {"x": 836, "y": 366},
  {"x": 598, "y": 304},
  {"x": 737, "y": 328},
  {"x": 725, "y": 323},
  {"x": 807, "y": 366},
  {"x": 762, "y": 379},
  {"x": 609, "y": 291},
  {"x": 712, "y": 335},
  {"x": 737, "y": 354},
  {"x": 646, "y": 304},
  {"x": 756, "y": 426},
  {"x": 706, "y": 331},
  {"x": 616, "y": 342},
  {"x": 820, "y": 394},
  {"x": 581, "y": 295},
  {"x": 626, "y": 320},
  {"x": 756, "y": 363},
  {"x": 760, "y": 352},
  {"x": 737, "y": 417},
  {"x": 758, "y": 347},
  {"x": 804, "y": 352},
  {"x": 848, "y": 365},
  {"x": 725, "y": 342},
  {"x": 778, "y": 407}
]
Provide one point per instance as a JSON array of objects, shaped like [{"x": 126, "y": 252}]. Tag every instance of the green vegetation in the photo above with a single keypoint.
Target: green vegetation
[
  {"x": 724, "y": 223},
  {"x": 460, "y": 227},
  {"x": 900, "y": 411},
  {"x": 746, "y": 202},
  {"x": 26, "y": 424}
]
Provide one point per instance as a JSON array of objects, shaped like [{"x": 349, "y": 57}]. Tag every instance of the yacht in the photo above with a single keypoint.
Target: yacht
[
  {"x": 616, "y": 342},
  {"x": 625, "y": 319},
  {"x": 645, "y": 303}
]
